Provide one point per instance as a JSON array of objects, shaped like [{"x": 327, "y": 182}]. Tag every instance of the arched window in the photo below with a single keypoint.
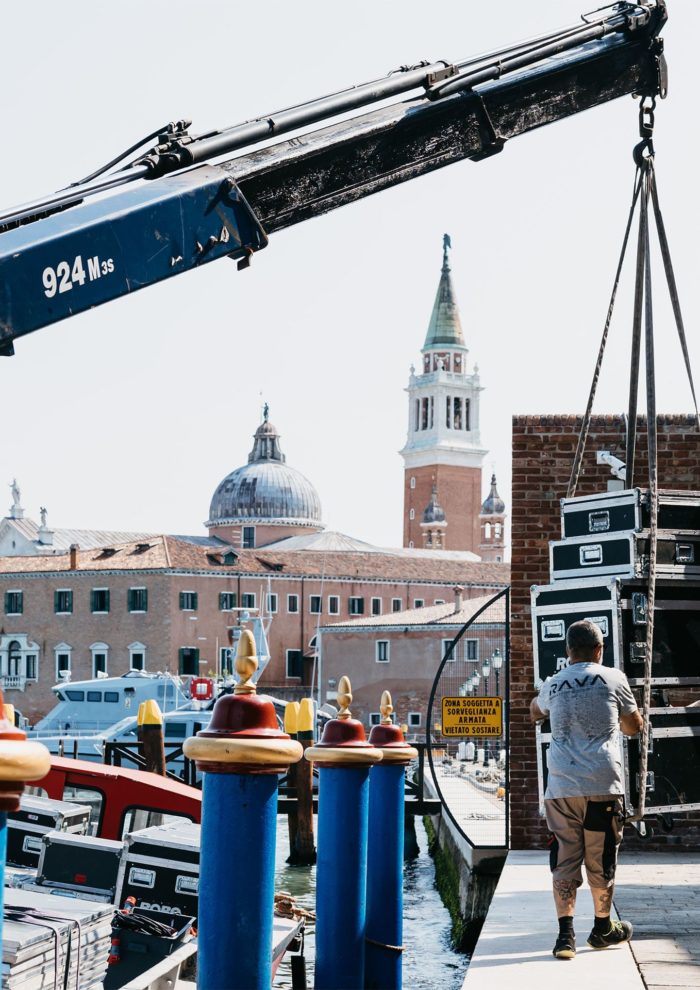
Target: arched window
[
  {"x": 467, "y": 407},
  {"x": 100, "y": 653},
  {"x": 137, "y": 656},
  {"x": 413, "y": 482},
  {"x": 487, "y": 531},
  {"x": 412, "y": 514},
  {"x": 497, "y": 529},
  {"x": 64, "y": 660}
]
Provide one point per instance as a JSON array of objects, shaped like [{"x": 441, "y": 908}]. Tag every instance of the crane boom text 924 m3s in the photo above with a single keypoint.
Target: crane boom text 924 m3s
[{"x": 167, "y": 210}]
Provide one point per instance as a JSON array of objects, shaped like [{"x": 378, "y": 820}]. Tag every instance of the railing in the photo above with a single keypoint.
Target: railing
[
  {"x": 12, "y": 682},
  {"x": 115, "y": 753}
]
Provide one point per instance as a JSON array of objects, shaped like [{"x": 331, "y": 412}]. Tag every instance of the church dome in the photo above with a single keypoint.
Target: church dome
[
  {"x": 266, "y": 489},
  {"x": 493, "y": 504},
  {"x": 433, "y": 512}
]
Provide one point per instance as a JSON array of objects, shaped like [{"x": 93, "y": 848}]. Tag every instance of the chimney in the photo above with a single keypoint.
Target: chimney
[
  {"x": 458, "y": 589},
  {"x": 74, "y": 547}
]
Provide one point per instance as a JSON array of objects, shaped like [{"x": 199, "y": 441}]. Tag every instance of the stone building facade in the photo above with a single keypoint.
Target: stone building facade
[
  {"x": 170, "y": 603},
  {"x": 543, "y": 452},
  {"x": 401, "y": 653}
]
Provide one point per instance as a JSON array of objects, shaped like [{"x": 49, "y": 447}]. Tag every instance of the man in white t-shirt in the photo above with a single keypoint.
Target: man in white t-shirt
[{"x": 586, "y": 704}]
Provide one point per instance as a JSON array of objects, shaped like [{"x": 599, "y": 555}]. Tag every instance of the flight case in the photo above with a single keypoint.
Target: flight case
[
  {"x": 620, "y": 609},
  {"x": 81, "y": 863},
  {"x": 625, "y": 555},
  {"x": 160, "y": 868},
  {"x": 627, "y": 511},
  {"x": 673, "y": 781},
  {"x": 35, "y": 817}
]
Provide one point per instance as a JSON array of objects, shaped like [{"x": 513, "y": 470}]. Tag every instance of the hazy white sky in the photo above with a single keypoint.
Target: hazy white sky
[{"x": 129, "y": 416}]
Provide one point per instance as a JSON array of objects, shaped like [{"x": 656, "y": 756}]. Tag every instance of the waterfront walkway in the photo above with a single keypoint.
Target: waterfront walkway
[{"x": 658, "y": 892}]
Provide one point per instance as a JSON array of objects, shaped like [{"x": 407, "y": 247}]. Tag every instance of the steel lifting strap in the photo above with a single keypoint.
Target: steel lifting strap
[{"x": 645, "y": 191}]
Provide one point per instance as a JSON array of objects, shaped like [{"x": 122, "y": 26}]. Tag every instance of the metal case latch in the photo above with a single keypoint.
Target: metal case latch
[
  {"x": 599, "y": 522},
  {"x": 590, "y": 555},
  {"x": 639, "y": 609},
  {"x": 685, "y": 553}
]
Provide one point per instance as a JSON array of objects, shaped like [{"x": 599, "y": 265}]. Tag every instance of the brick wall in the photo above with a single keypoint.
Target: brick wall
[
  {"x": 543, "y": 452},
  {"x": 459, "y": 494}
]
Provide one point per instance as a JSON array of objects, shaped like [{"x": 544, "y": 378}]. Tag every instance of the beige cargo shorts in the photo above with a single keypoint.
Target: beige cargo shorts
[{"x": 585, "y": 830}]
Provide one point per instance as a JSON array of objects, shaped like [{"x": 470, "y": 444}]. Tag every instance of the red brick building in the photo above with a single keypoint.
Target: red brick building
[
  {"x": 443, "y": 455},
  {"x": 543, "y": 452}
]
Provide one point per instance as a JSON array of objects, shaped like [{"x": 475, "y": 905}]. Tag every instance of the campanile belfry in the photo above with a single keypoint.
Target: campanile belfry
[{"x": 443, "y": 452}]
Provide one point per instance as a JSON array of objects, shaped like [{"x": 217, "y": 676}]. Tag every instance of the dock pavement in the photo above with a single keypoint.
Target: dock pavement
[{"x": 658, "y": 892}]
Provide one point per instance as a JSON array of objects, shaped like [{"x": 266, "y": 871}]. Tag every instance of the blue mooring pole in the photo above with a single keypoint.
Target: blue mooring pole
[
  {"x": 384, "y": 935},
  {"x": 241, "y": 754},
  {"x": 22, "y": 762},
  {"x": 344, "y": 757}
]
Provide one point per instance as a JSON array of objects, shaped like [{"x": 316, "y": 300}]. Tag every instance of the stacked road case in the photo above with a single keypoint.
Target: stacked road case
[{"x": 598, "y": 571}]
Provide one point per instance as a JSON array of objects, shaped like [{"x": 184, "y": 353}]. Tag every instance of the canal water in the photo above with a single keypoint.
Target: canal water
[{"x": 429, "y": 962}]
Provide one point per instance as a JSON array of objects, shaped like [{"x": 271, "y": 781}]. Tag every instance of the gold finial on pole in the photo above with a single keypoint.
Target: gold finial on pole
[
  {"x": 386, "y": 708},
  {"x": 344, "y": 697},
  {"x": 246, "y": 663}
]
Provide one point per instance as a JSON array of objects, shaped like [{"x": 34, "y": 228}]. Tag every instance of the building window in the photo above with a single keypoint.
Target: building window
[
  {"x": 248, "y": 537},
  {"x": 63, "y": 654},
  {"x": 412, "y": 514},
  {"x": 188, "y": 601},
  {"x": 410, "y": 544},
  {"x": 448, "y": 412},
  {"x": 418, "y": 602},
  {"x": 137, "y": 656},
  {"x": 439, "y": 601},
  {"x": 375, "y": 718},
  {"x": 457, "y": 418},
  {"x": 381, "y": 651},
  {"x": 248, "y": 599},
  {"x": 425, "y": 415},
  {"x": 99, "y": 653},
  {"x": 18, "y": 664},
  {"x": 189, "y": 661},
  {"x": 446, "y": 644},
  {"x": 396, "y": 604},
  {"x": 63, "y": 601},
  {"x": 295, "y": 663},
  {"x": 467, "y": 425},
  {"x": 31, "y": 671},
  {"x": 414, "y": 720},
  {"x": 416, "y": 424},
  {"x": 227, "y": 659},
  {"x": 14, "y": 602},
  {"x": 496, "y": 529},
  {"x": 138, "y": 599},
  {"x": 376, "y": 606},
  {"x": 315, "y": 604},
  {"x": 356, "y": 606},
  {"x": 333, "y": 605},
  {"x": 471, "y": 649},
  {"x": 487, "y": 531},
  {"x": 271, "y": 603},
  {"x": 227, "y": 601},
  {"x": 432, "y": 410},
  {"x": 99, "y": 601},
  {"x": 292, "y": 603},
  {"x": 413, "y": 482}
]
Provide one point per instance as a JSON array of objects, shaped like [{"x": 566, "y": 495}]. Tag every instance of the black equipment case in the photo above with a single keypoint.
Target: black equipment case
[
  {"x": 673, "y": 781},
  {"x": 82, "y": 863},
  {"x": 627, "y": 511},
  {"x": 620, "y": 609},
  {"x": 160, "y": 868},
  {"x": 625, "y": 555},
  {"x": 35, "y": 817},
  {"x": 556, "y": 606}
]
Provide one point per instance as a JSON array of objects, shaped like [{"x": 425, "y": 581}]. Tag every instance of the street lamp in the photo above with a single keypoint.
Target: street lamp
[
  {"x": 497, "y": 663},
  {"x": 486, "y": 670}
]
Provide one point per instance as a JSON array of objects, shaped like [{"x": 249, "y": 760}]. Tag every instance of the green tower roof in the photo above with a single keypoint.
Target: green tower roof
[{"x": 445, "y": 329}]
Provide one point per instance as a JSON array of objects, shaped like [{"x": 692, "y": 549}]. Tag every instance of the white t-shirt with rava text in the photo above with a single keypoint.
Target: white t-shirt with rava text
[{"x": 584, "y": 703}]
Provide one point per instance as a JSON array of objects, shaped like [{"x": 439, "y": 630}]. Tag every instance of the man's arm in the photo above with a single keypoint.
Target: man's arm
[
  {"x": 631, "y": 724},
  {"x": 536, "y": 713}
]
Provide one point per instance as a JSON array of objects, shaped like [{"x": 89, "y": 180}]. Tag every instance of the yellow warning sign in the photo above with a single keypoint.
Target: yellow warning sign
[{"x": 472, "y": 717}]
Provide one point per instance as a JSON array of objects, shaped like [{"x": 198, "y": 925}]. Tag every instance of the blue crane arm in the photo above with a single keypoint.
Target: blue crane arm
[{"x": 167, "y": 214}]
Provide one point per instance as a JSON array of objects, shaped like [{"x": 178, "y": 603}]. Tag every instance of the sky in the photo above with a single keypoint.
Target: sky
[{"x": 128, "y": 416}]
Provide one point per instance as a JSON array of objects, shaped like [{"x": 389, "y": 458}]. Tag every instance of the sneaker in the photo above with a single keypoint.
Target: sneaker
[
  {"x": 620, "y": 931},
  {"x": 565, "y": 947}
]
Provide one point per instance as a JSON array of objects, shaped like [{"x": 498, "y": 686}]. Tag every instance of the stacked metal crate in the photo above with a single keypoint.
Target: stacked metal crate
[{"x": 598, "y": 571}]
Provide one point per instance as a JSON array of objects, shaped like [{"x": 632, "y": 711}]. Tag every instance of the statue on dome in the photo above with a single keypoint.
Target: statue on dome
[
  {"x": 42, "y": 513},
  {"x": 266, "y": 411}
]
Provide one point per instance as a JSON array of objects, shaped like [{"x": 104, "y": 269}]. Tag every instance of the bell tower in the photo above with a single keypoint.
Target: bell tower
[{"x": 443, "y": 447}]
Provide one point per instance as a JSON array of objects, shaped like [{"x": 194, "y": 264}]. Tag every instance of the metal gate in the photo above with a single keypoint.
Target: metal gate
[{"x": 467, "y": 725}]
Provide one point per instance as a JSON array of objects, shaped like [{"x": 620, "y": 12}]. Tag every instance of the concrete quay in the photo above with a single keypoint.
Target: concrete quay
[{"x": 658, "y": 892}]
